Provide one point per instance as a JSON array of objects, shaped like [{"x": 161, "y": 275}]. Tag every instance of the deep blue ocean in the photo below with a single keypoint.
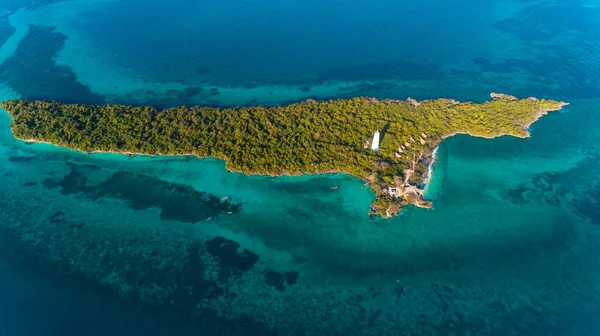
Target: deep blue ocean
[{"x": 105, "y": 244}]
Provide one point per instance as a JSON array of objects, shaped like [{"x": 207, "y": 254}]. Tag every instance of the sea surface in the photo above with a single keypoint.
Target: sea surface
[{"x": 106, "y": 244}]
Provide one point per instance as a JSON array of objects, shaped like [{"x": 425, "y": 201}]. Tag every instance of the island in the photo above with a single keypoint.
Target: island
[{"x": 389, "y": 144}]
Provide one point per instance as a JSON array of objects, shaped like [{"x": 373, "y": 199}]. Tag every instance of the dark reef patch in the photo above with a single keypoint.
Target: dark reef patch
[
  {"x": 33, "y": 74},
  {"x": 232, "y": 262},
  {"x": 89, "y": 166},
  {"x": 141, "y": 192},
  {"x": 249, "y": 85},
  {"x": 77, "y": 225},
  {"x": 6, "y": 30},
  {"x": 192, "y": 91},
  {"x": 180, "y": 307},
  {"x": 545, "y": 68},
  {"x": 60, "y": 218},
  {"x": 192, "y": 286},
  {"x": 546, "y": 185},
  {"x": 517, "y": 195},
  {"x": 191, "y": 95},
  {"x": 275, "y": 280},
  {"x": 56, "y": 217},
  {"x": 587, "y": 205},
  {"x": 291, "y": 278},
  {"x": 29, "y": 184},
  {"x": 50, "y": 183},
  {"x": 372, "y": 89},
  {"x": 545, "y": 21},
  {"x": 72, "y": 183},
  {"x": 20, "y": 158},
  {"x": 485, "y": 64},
  {"x": 279, "y": 280},
  {"x": 544, "y": 189},
  {"x": 559, "y": 36},
  {"x": 402, "y": 70},
  {"x": 203, "y": 71}
]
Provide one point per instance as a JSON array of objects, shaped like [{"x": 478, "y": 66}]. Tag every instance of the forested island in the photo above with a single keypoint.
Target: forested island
[{"x": 311, "y": 137}]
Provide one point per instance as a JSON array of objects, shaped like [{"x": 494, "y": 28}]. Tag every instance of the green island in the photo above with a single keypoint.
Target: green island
[{"x": 311, "y": 137}]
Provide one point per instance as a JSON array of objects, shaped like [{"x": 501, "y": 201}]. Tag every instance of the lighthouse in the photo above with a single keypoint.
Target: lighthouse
[{"x": 375, "y": 143}]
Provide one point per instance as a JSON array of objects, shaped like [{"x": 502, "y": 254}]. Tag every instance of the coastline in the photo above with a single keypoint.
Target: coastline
[
  {"x": 430, "y": 168},
  {"x": 132, "y": 154},
  {"x": 392, "y": 192}
]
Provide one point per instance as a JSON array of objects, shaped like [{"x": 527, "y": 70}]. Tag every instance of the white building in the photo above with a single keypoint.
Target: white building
[{"x": 375, "y": 143}]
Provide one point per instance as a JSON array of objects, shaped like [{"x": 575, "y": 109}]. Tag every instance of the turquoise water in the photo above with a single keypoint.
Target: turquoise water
[{"x": 511, "y": 247}]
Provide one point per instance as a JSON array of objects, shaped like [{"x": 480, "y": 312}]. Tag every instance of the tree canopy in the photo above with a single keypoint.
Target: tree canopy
[{"x": 308, "y": 137}]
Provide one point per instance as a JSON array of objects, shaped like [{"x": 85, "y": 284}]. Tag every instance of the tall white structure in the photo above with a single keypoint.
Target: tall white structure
[{"x": 375, "y": 143}]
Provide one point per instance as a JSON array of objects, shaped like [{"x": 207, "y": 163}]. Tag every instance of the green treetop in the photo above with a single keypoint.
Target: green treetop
[{"x": 308, "y": 137}]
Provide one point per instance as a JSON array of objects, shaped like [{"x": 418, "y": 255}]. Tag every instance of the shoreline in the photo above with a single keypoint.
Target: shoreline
[
  {"x": 133, "y": 154},
  {"x": 416, "y": 202},
  {"x": 390, "y": 195},
  {"x": 430, "y": 168}
]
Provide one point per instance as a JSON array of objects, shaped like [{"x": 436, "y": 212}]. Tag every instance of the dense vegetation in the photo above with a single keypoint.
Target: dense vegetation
[{"x": 308, "y": 137}]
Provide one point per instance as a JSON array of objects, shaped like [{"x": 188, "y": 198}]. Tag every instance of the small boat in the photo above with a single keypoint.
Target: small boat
[
  {"x": 209, "y": 218},
  {"x": 229, "y": 212},
  {"x": 225, "y": 198},
  {"x": 334, "y": 188}
]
